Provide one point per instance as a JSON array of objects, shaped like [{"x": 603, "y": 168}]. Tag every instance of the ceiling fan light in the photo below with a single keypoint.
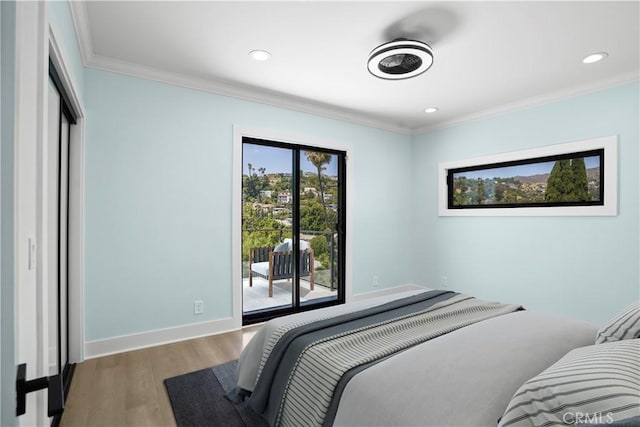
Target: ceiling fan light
[{"x": 400, "y": 59}]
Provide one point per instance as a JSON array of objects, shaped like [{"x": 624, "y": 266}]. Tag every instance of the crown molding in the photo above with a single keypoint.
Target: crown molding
[
  {"x": 241, "y": 92},
  {"x": 91, "y": 59},
  {"x": 280, "y": 100},
  {"x": 331, "y": 112},
  {"x": 83, "y": 33},
  {"x": 531, "y": 102}
]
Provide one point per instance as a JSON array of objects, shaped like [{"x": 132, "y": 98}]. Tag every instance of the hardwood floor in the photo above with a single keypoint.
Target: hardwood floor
[{"x": 127, "y": 389}]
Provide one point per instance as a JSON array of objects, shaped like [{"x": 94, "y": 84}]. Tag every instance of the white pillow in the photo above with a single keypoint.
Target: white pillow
[
  {"x": 597, "y": 384},
  {"x": 623, "y": 326}
]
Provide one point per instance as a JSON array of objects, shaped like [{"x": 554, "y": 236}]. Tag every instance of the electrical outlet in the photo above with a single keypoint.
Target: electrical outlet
[
  {"x": 198, "y": 307},
  {"x": 444, "y": 282},
  {"x": 376, "y": 283}
]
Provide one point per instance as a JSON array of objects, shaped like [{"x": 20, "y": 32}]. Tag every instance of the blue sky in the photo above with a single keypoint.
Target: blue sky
[
  {"x": 275, "y": 160},
  {"x": 522, "y": 170}
]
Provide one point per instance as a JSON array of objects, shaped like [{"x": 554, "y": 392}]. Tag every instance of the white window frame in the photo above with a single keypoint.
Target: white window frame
[{"x": 609, "y": 208}]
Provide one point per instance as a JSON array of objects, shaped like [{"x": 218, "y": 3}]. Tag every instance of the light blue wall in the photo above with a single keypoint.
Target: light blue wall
[
  {"x": 62, "y": 23},
  {"x": 586, "y": 267},
  {"x": 158, "y": 218},
  {"x": 7, "y": 284},
  {"x": 158, "y": 200}
]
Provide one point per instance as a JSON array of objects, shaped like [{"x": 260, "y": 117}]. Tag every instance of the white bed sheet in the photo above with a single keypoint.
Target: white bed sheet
[{"x": 464, "y": 378}]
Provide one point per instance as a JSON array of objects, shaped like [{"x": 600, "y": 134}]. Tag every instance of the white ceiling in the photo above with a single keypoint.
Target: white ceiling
[{"x": 489, "y": 56}]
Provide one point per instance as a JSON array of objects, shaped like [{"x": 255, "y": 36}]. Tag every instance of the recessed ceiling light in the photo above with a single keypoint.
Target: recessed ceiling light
[
  {"x": 431, "y": 110},
  {"x": 595, "y": 57},
  {"x": 260, "y": 55},
  {"x": 400, "y": 59}
]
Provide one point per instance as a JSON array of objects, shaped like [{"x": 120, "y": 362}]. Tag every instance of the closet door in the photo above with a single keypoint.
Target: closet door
[
  {"x": 58, "y": 225},
  {"x": 53, "y": 150},
  {"x": 63, "y": 245}
]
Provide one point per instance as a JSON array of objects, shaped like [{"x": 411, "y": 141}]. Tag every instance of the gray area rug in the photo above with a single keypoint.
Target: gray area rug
[{"x": 197, "y": 399}]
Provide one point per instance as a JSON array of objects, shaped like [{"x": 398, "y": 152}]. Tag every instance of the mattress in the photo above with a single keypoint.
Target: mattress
[{"x": 465, "y": 377}]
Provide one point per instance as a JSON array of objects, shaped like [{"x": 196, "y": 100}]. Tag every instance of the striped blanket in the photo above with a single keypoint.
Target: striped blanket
[{"x": 306, "y": 367}]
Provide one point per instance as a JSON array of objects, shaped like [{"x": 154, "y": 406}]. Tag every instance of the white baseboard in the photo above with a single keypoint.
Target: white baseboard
[{"x": 121, "y": 344}]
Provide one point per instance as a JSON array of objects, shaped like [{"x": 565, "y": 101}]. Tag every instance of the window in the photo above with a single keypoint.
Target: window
[{"x": 572, "y": 179}]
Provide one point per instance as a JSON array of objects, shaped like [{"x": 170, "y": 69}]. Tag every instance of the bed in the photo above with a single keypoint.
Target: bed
[{"x": 420, "y": 358}]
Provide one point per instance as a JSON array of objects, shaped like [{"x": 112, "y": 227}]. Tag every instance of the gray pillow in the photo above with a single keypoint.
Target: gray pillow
[
  {"x": 282, "y": 247},
  {"x": 303, "y": 244},
  {"x": 599, "y": 384},
  {"x": 623, "y": 326}
]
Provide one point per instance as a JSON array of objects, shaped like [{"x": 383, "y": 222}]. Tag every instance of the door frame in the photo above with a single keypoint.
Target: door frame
[
  {"x": 36, "y": 42},
  {"x": 30, "y": 121},
  {"x": 8, "y": 290},
  {"x": 236, "y": 205}
]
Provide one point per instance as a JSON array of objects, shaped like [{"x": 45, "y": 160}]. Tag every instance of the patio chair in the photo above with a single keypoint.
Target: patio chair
[{"x": 271, "y": 265}]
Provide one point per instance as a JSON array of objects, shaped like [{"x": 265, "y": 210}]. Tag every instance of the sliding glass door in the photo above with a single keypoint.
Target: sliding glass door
[
  {"x": 293, "y": 211},
  {"x": 61, "y": 118}
]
